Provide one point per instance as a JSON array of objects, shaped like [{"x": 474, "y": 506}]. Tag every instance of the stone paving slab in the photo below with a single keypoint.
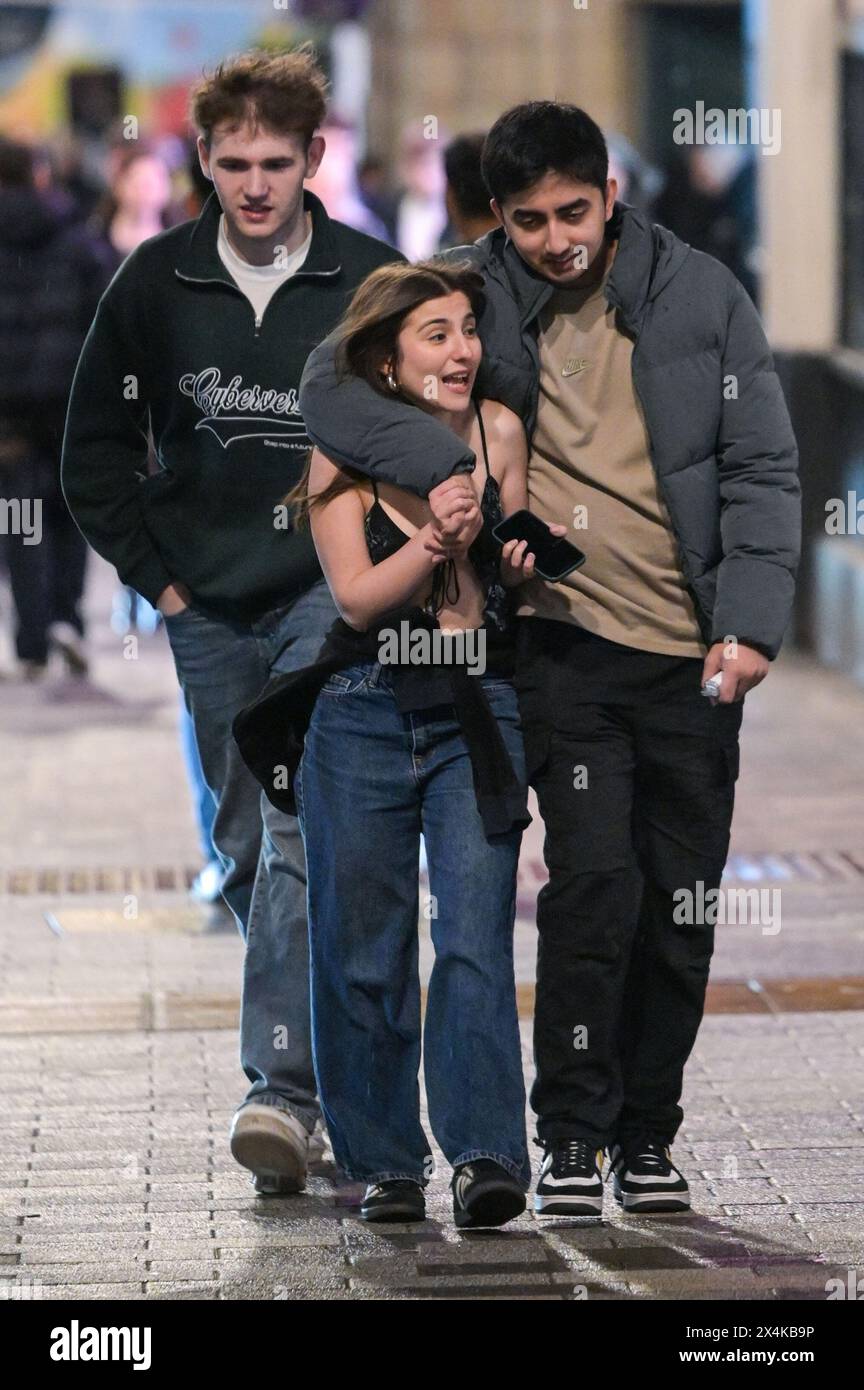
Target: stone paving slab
[
  {"x": 130, "y": 1203},
  {"x": 115, "y": 1176}
]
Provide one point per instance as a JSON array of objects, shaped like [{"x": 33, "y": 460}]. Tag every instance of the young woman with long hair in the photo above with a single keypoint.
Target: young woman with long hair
[{"x": 400, "y": 737}]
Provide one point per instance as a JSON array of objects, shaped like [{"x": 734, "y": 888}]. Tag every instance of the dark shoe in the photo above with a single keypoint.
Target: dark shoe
[
  {"x": 644, "y": 1178},
  {"x": 571, "y": 1181},
  {"x": 33, "y": 671},
  {"x": 271, "y": 1185},
  {"x": 484, "y": 1194},
  {"x": 70, "y": 644},
  {"x": 397, "y": 1199}
]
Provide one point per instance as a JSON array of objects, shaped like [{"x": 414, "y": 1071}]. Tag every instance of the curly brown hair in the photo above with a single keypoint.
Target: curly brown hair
[{"x": 284, "y": 92}]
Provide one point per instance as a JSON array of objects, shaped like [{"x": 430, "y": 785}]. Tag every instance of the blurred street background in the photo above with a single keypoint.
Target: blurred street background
[{"x": 119, "y": 972}]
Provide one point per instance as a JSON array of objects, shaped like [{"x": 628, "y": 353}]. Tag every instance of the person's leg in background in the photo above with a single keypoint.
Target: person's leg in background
[
  {"x": 207, "y": 888},
  {"x": 66, "y": 566},
  {"x": 69, "y": 570},
  {"x": 203, "y": 800},
  {"x": 22, "y": 480},
  {"x": 221, "y": 668}
]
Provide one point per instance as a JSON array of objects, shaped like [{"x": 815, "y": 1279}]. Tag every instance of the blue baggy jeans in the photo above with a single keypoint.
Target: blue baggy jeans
[{"x": 371, "y": 780}]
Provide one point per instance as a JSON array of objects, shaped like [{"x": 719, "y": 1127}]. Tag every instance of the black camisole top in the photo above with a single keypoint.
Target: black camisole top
[{"x": 384, "y": 538}]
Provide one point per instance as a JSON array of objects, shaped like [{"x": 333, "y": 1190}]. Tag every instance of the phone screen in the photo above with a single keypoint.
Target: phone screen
[{"x": 554, "y": 556}]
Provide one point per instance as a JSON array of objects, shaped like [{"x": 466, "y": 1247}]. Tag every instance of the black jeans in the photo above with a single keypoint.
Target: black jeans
[
  {"x": 635, "y": 776},
  {"x": 47, "y": 578}
]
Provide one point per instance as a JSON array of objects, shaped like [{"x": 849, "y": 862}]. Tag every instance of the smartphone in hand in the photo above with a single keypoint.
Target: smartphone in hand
[{"x": 554, "y": 557}]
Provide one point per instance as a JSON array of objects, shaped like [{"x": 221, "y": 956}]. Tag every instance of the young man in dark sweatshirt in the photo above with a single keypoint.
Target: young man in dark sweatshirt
[
  {"x": 658, "y": 431},
  {"x": 201, "y": 338}
]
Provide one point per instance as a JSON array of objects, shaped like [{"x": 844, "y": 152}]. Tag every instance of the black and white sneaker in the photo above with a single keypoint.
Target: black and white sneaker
[
  {"x": 644, "y": 1178},
  {"x": 571, "y": 1181},
  {"x": 484, "y": 1194},
  {"x": 397, "y": 1199}
]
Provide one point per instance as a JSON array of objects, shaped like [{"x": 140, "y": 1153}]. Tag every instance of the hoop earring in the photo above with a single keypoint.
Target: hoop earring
[{"x": 391, "y": 381}]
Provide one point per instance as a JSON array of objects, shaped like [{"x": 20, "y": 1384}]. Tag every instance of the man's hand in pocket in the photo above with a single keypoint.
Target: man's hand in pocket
[{"x": 173, "y": 600}]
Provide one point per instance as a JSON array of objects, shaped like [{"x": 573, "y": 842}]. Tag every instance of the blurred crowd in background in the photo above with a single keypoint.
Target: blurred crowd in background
[{"x": 72, "y": 208}]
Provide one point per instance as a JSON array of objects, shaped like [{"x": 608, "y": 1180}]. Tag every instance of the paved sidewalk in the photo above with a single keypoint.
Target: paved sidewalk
[
  {"x": 117, "y": 1183},
  {"x": 118, "y": 1055}
]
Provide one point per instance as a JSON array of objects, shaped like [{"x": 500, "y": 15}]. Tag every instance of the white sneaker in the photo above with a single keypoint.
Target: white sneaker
[
  {"x": 207, "y": 886},
  {"x": 320, "y": 1157},
  {"x": 272, "y": 1144}
]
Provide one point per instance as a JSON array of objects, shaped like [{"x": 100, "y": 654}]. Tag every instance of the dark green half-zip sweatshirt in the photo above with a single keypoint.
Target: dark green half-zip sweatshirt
[{"x": 175, "y": 346}]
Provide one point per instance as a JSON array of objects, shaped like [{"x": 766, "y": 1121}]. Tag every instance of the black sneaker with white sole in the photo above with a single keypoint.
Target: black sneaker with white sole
[
  {"x": 571, "y": 1181},
  {"x": 396, "y": 1199},
  {"x": 644, "y": 1178},
  {"x": 485, "y": 1194}
]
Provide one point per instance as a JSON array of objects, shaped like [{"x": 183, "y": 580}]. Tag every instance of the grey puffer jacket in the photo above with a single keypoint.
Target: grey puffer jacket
[{"x": 721, "y": 441}]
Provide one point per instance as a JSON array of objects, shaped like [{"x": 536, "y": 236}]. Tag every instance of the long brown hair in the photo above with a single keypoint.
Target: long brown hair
[{"x": 367, "y": 337}]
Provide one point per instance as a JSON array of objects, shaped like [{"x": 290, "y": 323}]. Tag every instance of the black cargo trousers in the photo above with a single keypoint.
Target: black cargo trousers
[{"x": 635, "y": 776}]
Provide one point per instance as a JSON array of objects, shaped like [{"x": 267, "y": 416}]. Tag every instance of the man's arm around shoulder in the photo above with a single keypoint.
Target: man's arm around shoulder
[{"x": 389, "y": 440}]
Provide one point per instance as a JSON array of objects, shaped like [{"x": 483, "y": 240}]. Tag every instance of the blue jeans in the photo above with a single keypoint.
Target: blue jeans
[
  {"x": 222, "y": 666},
  {"x": 203, "y": 800},
  {"x": 370, "y": 782}
]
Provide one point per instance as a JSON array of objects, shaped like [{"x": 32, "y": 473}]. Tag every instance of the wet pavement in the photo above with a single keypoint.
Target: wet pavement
[{"x": 118, "y": 1050}]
